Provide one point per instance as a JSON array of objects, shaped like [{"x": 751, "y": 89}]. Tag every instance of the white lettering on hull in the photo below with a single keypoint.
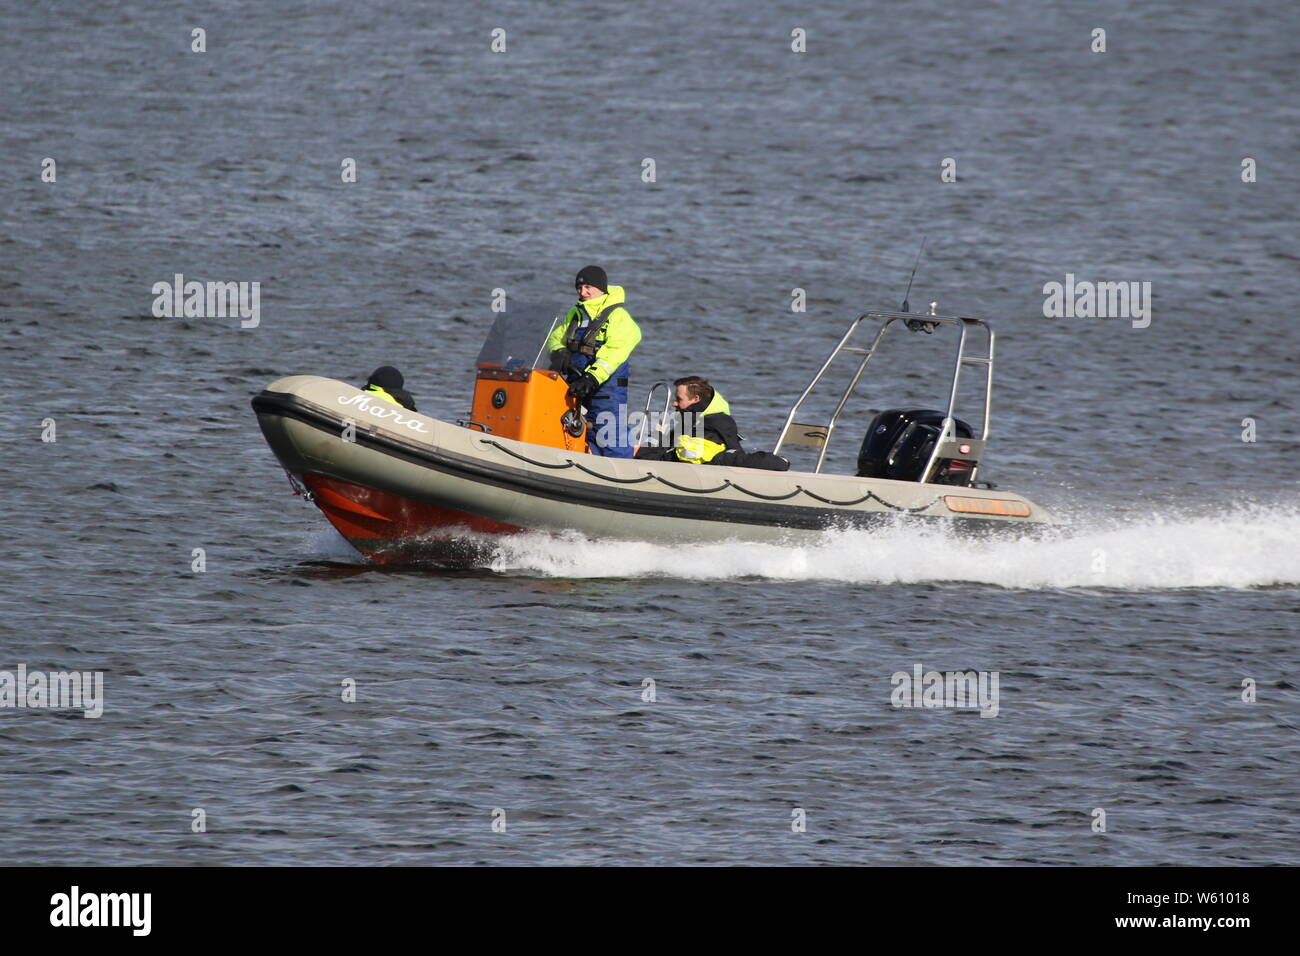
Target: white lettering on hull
[{"x": 383, "y": 410}]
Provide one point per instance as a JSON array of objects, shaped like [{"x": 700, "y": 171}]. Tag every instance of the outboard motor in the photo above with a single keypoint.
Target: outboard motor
[{"x": 899, "y": 443}]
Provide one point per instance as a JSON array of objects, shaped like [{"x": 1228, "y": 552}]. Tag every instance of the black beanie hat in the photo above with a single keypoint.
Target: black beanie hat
[
  {"x": 592, "y": 275},
  {"x": 386, "y": 377}
]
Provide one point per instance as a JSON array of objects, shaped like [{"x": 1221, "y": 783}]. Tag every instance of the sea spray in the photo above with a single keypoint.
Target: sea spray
[{"x": 1240, "y": 548}]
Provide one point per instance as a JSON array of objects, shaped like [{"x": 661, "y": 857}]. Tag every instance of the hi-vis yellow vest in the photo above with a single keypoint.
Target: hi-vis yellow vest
[
  {"x": 696, "y": 450},
  {"x": 381, "y": 393}
]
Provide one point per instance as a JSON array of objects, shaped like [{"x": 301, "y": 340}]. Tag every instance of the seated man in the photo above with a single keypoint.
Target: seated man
[
  {"x": 705, "y": 433},
  {"x": 386, "y": 382}
]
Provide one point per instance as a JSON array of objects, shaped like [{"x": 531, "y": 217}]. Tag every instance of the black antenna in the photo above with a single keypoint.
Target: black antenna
[{"x": 913, "y": 275}]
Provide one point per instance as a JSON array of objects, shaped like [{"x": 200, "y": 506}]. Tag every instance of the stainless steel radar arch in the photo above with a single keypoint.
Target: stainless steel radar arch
[{"x": 948, "y": 446}]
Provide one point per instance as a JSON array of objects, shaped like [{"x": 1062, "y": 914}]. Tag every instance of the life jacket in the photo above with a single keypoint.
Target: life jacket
[
  {"x": 696, "y": 449},
  {"x": 585, "y": 342},
  {"x": 382, "y": 394}
]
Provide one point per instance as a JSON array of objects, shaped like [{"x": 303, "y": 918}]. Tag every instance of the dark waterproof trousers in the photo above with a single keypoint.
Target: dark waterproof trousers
[{"x": 607, "y": 431}]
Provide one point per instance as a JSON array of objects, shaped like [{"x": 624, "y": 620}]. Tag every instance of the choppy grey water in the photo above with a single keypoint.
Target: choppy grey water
[{"x": 1121, "y": 648}]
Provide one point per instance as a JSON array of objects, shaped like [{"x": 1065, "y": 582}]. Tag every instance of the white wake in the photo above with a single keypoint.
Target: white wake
[{"x": 1239, "y": 549}]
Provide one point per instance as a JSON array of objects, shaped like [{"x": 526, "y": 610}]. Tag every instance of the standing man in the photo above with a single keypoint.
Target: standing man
[{"x": 591, "y": 350}]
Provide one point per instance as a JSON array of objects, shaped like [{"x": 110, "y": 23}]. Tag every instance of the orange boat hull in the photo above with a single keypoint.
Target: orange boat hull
[{"x": 390, "y": 529}]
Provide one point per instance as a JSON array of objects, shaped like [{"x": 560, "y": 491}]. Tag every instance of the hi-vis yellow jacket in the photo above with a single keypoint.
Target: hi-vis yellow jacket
[
  {"x": 613, "y": 343},
  {"x": 376, "y": 390}
]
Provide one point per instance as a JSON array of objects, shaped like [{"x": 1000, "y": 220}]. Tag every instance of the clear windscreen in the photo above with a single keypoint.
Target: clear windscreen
[{"x": 517, "y": 338}]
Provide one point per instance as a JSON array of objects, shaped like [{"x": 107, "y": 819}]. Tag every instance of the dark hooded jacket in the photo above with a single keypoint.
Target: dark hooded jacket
[
  {"x": 710, "y": 420},
  {"x": 716, "y": 427},
  {"x": 387, "y": 382}
]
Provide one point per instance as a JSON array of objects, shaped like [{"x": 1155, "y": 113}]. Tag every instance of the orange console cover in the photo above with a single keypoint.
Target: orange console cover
[{"x": 525, "y": 404}]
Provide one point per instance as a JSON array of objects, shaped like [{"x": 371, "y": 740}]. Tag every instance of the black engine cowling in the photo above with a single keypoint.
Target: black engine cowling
[{"x": 899, "y": 443}]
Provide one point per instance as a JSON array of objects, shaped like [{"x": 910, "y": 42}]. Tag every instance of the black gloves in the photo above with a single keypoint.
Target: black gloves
[
  {"x": 562, "y": 362},
  {"x": 584, "y": 387}
]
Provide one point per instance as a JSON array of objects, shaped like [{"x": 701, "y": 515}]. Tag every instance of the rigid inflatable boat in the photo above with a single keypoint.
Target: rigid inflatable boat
[{"x": 402, "y": 486}]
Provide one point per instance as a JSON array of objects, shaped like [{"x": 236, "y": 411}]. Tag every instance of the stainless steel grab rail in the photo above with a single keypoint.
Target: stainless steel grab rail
[{"x": 644, "y": 428}]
